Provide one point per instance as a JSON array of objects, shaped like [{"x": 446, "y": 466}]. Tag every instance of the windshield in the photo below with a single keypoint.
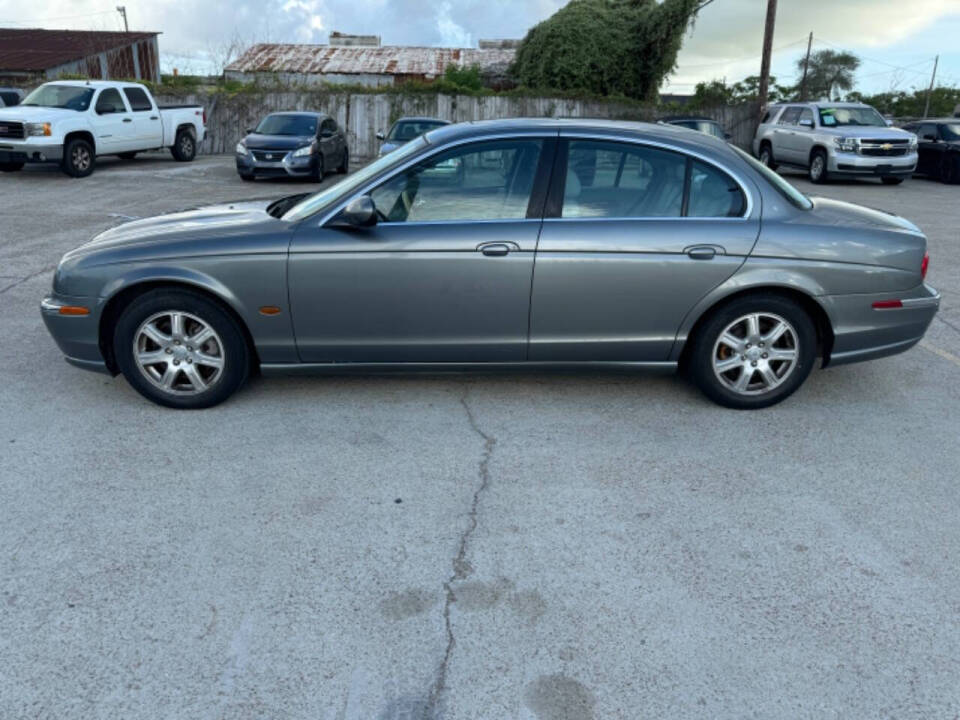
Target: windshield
[
  {"x": 846, "y": 116},
  {"x": 68, "y": 97},
  {"x": 288, "y": 125},
  {"x": 409, "y": 129},
  {"x": 320, "y": 200},
  {"x": 951, "y": 131},
  {"x": 794, "y": 196}
]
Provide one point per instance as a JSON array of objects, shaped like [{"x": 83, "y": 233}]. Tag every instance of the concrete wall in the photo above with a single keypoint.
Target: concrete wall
[{"x": 363, "y": 115}]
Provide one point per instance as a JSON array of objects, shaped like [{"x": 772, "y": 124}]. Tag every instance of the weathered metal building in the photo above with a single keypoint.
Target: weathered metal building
[
  {"x": 359, "y": 65},
  {"x": 34, "y": 55}
]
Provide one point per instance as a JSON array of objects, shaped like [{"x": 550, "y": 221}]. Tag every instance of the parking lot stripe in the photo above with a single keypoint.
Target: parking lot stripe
[{"x": 942, "y": 353}]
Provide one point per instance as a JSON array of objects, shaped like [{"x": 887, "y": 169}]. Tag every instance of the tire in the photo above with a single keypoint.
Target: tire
[
  {"x": 162, "y": 365},
  {"x": 247, "y": 178},
  {"x": 948, "y": 170},
  {"x": 768, "y": 381},
  {"x": 344, "y": 165},
  {"x": 891, "y": 180},
  {"x": 766, "y": 156},
  {"x": 79, "y": 159},
  {"x": 818, "y": 172},
  {"x": 184, "y": 146},
  {"x": 127, "y": 155},
  {"x": 318, "y": 171},
  {"x": 11, "y": 166}
]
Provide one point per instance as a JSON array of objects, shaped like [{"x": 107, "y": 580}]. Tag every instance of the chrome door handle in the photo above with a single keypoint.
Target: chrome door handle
[
  {"x": 497, "y": 249},
  {"x": 127, "y": 120},
  {"x": 154, "y": 117},
  {"x": 702, "y": 252}
]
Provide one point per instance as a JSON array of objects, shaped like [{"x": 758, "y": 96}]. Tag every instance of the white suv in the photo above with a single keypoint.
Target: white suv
[{"x": 835, "y": 139}]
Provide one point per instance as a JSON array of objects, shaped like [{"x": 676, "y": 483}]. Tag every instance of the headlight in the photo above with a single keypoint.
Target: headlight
[
  {"x": 846, "y": 144},
  {"x": 37, "y": 129},
  {"x": 241, "y": 149},
  {"x": 305, "y": 151}
]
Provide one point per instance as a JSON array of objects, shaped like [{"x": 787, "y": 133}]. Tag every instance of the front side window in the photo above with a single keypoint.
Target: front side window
[
  {"x": 68, "y": 97},
  {"x": 110, "y": 102},
  {"x": 328, "y": 127},
  {"x": 950, "y": 131},
  {"x": 610, "y": 179},
  {"x": 139, "y": 102},
  {"x": 482, "y": 181}
]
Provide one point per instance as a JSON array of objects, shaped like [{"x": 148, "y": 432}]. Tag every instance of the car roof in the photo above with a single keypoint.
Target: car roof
[
  {"x": 820, "y": 103},
  {"x": 681, "y": 118},
  {"x": 94, "y": 83},
  {"x": 306, "y": 113},
  {"x": 421, "y": 118}
]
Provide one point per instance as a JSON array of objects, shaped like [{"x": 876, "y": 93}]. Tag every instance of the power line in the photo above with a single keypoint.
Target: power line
[{"x": 743, "y": 59}]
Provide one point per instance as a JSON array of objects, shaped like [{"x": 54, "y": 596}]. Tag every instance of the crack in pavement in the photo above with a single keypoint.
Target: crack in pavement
[
  {"x": 461, "y": 566},
  {"x": 28, "y": 277},
  {"x": 947, "y": 323}
]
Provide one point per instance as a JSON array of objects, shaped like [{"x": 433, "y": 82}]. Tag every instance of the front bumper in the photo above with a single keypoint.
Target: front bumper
[
  {"x": 26, "y": 151},
  {"x": 862, "y": 332},
  {"x": 287, "y": 166},
  {"x": 77, "y": 336},
  {"x": 848, "y": 163}
]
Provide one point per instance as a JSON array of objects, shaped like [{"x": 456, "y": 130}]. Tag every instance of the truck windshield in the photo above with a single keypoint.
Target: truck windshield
[
  {"x": 288, "y": 125},
  {"x": 68, "y": 97},
  {"x": 322, "y": 199},
  {"x": 848, "y": 116}
]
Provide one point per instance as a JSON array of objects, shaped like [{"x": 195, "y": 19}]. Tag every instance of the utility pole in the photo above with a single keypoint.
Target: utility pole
[
  {"x": 767, "y": 49},
  {"x": 122, "y": 9},
  {"x": 926, "y": 108},
  {"x": 806, "y": 63}
]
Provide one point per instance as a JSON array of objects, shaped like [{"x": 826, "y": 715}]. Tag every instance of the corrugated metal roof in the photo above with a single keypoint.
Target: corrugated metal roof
[
  {"x": 387, "y": 60},
  {"x": 34, "y": 49}
]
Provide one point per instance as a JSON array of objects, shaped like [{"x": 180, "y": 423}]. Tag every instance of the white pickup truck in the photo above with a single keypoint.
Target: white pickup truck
[{"x": 74, "y": 122}]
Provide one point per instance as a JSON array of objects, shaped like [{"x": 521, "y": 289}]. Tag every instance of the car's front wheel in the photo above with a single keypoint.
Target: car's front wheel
[
  {"x": 79, "y": 158},
  {"x": 818, "y": 167},
  {"x": 754, "y": 352},
  {"x": 180, "y": 349}
]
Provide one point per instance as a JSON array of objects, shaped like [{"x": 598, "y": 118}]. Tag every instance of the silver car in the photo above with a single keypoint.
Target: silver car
[
  {"x": 837, "y": 139},
  {"x": 516, "y": 243}
]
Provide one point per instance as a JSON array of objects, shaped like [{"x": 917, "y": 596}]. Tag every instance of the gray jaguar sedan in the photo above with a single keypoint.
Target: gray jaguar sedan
[{"x": 514, "y": 243}]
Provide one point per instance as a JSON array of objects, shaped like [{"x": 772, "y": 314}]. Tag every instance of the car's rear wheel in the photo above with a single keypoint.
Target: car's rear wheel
[
  {"x": 766, "y": 156},
  {"x": 11, "y": 166},
  {"x": 180, "y": 349},
  {"x": 78, "y": 158},
  {"x": 754, "y": 351},
  {"x": 184, "y": 146},
  {"x": 818, "y": 167},
  {"x": 344, "y": 165}
]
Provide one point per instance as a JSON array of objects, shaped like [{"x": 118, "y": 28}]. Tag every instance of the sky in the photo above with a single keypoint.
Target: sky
[{"x": 896, "y": 39}]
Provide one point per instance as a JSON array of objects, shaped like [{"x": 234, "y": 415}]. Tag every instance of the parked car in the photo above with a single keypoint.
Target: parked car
[
  {"x": 293, "y": 144},
  {"x": 652, "y": 247},
  {"x": 700, "y": 124},
  {"x": 406, "y": 129},
  {"x": 939, "y": 148},
  {"x": 10, "y": 96},
  {"x": 75, "y": 122},
  {"x": 833, "y": 140}
]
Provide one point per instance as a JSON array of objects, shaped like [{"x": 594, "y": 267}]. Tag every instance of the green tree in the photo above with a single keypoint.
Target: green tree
[
  {"x": 605, "y": 47},
  {"x": 829, "y": 72}
]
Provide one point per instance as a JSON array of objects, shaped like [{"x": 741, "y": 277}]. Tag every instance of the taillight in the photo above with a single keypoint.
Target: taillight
[
  {"x": 887, "y": 304},
  {"x": 924, "y": 265}
]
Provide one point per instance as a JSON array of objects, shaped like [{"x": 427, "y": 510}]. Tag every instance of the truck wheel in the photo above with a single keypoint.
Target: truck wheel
[
  {"x": 11, "y": 167},
  {"x": 184, "y": 147},
  {"x": 818, "y": 167},
  {"x": 78, "y": 158},
  {"x": 766, "y": 156},
  {"x": 127, "y": 156}
]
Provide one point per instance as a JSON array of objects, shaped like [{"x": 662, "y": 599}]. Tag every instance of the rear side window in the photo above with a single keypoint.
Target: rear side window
[
  {"x": 790, "y": 116},
  {"x": 609, "y": 179},
  {"x": 110, "y": 102},
  {"x": 139, "y": 102},
  {"x": 713, "y": 193}
]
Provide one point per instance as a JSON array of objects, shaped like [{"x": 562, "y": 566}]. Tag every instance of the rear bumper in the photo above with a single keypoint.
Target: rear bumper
[
  {"x": 29, "y": 152},
  {"x": 862, "y": 332}
]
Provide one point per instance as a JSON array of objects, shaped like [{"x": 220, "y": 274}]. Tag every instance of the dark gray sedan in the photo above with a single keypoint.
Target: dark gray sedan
[{"x": 509, "y": 243}]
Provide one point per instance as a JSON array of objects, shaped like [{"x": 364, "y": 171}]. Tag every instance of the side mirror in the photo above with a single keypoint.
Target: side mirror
[
  {"x": 380, "y": 135},
  {"x": 250, "y": 131},
  {"x": 806, "y": 124},
  {"x": 359, "y": 213}
]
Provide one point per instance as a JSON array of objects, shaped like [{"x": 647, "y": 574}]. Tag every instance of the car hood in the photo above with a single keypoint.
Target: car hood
[
  {"x": 216, "y": 229},
  {"x": 827, "y": 211},
  {"x": 22, "y": 113},
  {"x": 256, "y": 141}
]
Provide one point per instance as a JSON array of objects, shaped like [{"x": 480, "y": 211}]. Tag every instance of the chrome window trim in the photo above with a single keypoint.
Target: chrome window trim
[{"x": 561, "y": 134}]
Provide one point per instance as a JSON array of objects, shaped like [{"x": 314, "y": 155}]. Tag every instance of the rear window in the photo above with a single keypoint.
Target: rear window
[{"x": 792, "y": 195}]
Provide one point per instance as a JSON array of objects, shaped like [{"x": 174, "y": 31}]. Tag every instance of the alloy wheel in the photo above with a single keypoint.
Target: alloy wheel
[
  {"x": 186, "y": 145},
  {"x": 816, "y": 167},
  {"x": 756, "y": 353},
  {"x": 178, "y": 353},
  {"x": 81, "y": 158}
]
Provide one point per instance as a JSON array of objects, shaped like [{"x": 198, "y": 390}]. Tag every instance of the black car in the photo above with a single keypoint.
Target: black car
[
  {"x": 939, "y": 148},
  {"x": 293, "y": 144},
  {"x": 701, "y": 124}
]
